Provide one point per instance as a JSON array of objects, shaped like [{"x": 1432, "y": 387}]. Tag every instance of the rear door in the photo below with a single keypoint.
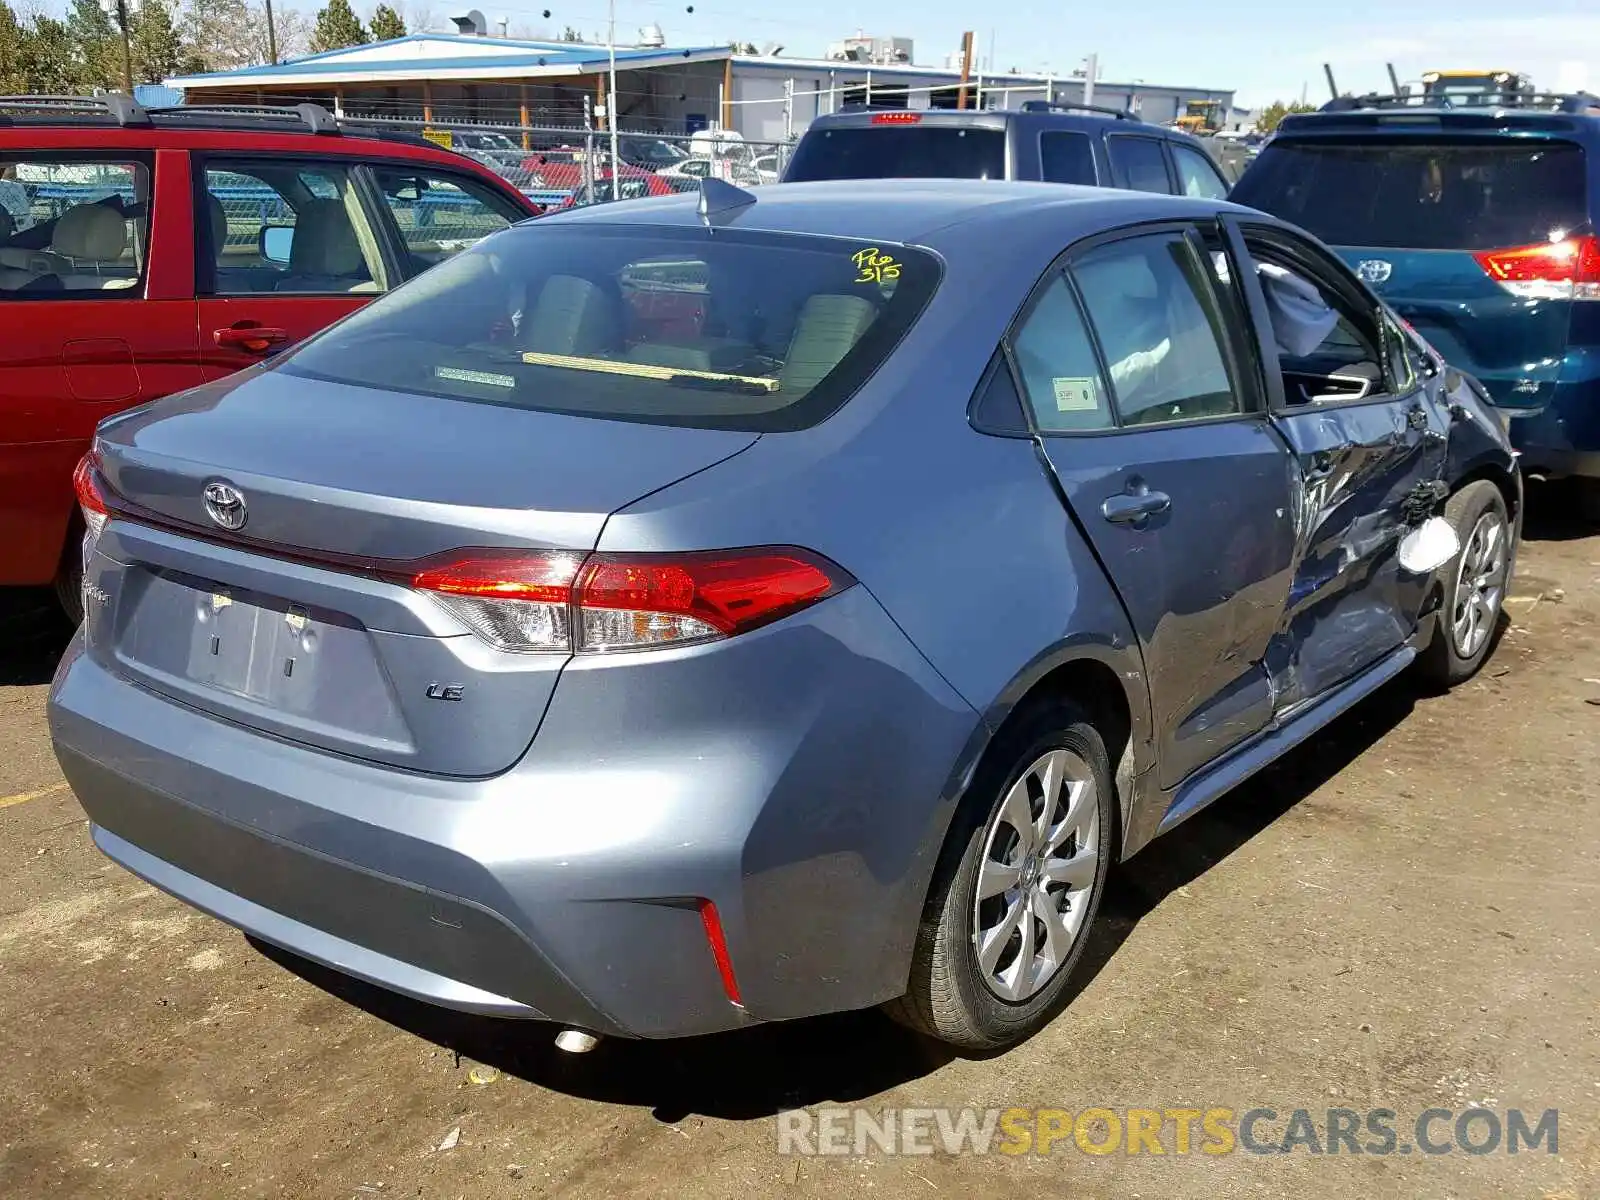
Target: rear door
[
  {"x": 96, "y": 314},
  {"x": 287, "y": 246},
  {"x": 1473, "y": 240},
  {"x": 1130, "y": 364}
]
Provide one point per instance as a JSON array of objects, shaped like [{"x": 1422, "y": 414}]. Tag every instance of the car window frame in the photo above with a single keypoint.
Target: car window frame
[
  {"x": 387, "y": 226},
  {"x": 111, "y": 157},
  {"x": 1326, "y": 270},
  {"x": 205, "y": 262},
  {"x": 1255, "y": 405},
  {"x": 1160, "y": 144}
]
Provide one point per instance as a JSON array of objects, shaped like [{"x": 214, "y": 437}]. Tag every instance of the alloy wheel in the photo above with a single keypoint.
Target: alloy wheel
[
  {"x": 1480, "y": 585},
  {"x": 1037, "y": 876}
]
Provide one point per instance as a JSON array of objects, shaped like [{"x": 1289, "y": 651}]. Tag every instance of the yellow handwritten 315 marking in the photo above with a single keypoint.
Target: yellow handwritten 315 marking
[{"x": 875, "y": 266}]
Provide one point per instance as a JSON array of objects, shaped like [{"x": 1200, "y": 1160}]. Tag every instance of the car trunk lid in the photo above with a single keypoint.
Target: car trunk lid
[{"x": 303, "y": 622}]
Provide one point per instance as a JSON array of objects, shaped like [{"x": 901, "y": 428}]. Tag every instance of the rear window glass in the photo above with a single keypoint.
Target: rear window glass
[
  {"x": 1422, "y": 195},
  {"x": 899, "y": 152},
  {"x": 723, "y": 329}
]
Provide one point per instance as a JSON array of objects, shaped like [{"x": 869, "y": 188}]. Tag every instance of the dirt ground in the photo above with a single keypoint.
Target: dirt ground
[{"x": 1400, "y": 916}]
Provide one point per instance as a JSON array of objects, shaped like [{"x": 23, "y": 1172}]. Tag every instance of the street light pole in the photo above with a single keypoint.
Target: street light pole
[{"x": 611, "y": 103}]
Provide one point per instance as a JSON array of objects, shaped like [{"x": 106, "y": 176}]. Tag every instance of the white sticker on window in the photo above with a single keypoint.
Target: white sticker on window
[
  {"x": 486, "y": 378},
  {"x": 1075, "y": 395}
]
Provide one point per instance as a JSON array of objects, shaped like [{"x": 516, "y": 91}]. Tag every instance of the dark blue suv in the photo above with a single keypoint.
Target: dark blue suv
[
  {"x": 1478, "y": 225},
  {"x": 1043, "y": 141}
]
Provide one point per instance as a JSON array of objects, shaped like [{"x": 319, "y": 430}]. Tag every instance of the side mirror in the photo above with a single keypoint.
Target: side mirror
[{"x": 276, "y": 244}]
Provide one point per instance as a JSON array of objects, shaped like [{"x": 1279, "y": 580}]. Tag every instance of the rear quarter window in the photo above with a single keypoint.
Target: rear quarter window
[
  {"x": 1066, "y": 156},
  {"x": 1435, "y": 195},
  {"x": 724, "y": 330},
  {"x": 1139, "y": 163}
]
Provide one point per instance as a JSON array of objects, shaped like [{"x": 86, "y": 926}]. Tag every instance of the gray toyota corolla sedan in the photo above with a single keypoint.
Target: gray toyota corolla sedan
[{"x": 679, "y": 615}]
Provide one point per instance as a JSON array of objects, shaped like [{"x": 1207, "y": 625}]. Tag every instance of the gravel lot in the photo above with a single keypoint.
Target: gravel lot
[{"x": 1401, "y": 915}]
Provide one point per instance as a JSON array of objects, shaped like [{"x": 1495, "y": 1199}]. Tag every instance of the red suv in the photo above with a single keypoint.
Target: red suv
[{"x": 144, "y": 251}]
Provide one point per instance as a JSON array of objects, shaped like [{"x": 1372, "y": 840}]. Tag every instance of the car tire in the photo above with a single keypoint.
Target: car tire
[
  {"x": 986, "y": 1000},
  {"x": 1474, "y": 583},
  {"x": 1588, "y": 499},
  {"x": 69, "y": 579}
]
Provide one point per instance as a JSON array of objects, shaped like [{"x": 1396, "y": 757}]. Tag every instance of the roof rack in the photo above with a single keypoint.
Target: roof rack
[
  {"x": 314, "y": 117},
  {"x": 1033, "y": 106},
  {"x": 124, "y": 110},
  {"x": 1562, "y": 102}
]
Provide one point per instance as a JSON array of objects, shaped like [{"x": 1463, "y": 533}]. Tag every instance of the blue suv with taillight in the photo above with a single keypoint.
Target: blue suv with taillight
[{"x": 1479, "y": 226}]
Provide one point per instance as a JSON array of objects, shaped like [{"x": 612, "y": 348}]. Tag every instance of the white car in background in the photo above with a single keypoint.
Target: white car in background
[{"x": 744, "y": 174}]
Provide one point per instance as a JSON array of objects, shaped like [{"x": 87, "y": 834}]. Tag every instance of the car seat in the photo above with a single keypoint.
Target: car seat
[
  {"x": 826, "y": 330},
  {"x": 325, "y": 255},
  {"x": 572, "y": 316},
  {"x": 90, "y": 240}
]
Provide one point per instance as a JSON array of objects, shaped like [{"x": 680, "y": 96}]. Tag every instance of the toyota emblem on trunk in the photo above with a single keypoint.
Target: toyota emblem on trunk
[
  {"x": 225, "y": 505},
  {"x": 1375, "y": 270}
]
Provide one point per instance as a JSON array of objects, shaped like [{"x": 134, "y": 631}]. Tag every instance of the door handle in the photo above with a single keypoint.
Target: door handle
[
  {"x": 247, "y": 335},
  {"x": 1135, "y": 508}
]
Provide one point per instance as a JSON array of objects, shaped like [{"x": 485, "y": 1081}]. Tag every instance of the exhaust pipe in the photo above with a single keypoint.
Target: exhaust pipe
[{"x": 575, "y": 1041}]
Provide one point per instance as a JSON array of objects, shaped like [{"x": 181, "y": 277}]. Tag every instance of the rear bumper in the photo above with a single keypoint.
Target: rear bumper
[
  {"x": 799, "y": 777},
  {"x": 1563, "y": 437}
]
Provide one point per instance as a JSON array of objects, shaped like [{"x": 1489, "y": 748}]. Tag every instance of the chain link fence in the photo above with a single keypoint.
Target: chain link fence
[{"x": 559, "y": 166}]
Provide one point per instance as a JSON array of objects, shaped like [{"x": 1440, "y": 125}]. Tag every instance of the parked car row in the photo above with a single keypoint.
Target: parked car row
[
  {"x": 1480, "y": 226},
  {"x": 663, "y": 618}
]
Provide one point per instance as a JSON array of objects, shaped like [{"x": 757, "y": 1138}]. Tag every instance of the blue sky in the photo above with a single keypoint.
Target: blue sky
[{"x": 1266, "y": 50}]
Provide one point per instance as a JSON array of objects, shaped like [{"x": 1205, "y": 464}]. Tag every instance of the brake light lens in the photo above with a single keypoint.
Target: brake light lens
[
  {"x": 516, "y": 601},
  {"x": 91, "y": 499},
  {"x": 564, "y": 602},
  {"x": 896, "y": 118},
  {"x": 1568, "y": 269}
]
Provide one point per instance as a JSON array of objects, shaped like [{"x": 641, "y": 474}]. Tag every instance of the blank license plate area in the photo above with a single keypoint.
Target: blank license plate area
[{"x": 196, "y": 635}]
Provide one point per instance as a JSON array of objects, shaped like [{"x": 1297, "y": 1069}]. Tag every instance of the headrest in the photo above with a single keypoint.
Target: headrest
[
  {"x": 325, "y": 242},
  {"x": 91, "y": 231},
  {"x": 219, "y": 223}
]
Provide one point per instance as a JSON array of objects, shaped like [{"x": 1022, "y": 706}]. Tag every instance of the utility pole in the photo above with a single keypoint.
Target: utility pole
[
  {"x": 272, "y": 36},
  {"x": 119, "y": 9},
  {"x": 611, "y": 102},
  {"x": 1091, "y": 68},
  {"x": 966, "y": 68}
]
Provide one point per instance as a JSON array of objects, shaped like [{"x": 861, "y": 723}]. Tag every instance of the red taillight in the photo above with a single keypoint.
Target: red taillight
[
  {"x": 86, "y": 483},
  {"x": 719, "y": 949},
  {"x": 546, "y": 578},
  {"x": 731, "y": 592},
  {"x": 896, "y": 118},
  {"x": 1569, "y": 268},
  {"x": 562, "y": 601}
]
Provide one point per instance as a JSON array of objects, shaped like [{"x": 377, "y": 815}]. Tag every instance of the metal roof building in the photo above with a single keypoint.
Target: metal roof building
[{"x": 447, "y": 78}]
